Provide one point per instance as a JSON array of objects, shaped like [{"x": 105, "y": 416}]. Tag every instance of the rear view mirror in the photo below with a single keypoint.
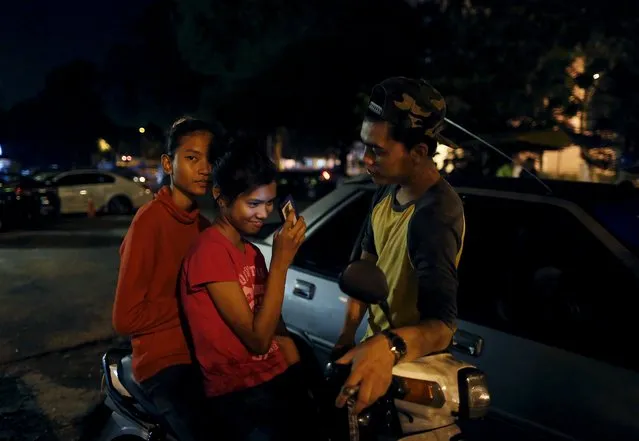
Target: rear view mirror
[{"x": 364, "y": 281}]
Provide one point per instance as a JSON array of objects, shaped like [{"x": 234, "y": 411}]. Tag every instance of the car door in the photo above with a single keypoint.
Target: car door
[
  {"x": 70, "y": 190},
  {"x": 102, "y": 189},
  {"x": 314, "y": 303},
  {"x": 548, "y": 291}
]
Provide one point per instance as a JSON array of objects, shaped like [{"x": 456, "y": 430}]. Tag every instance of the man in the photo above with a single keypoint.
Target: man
[
  {"x": 512, "y": 169},
  {"x": 414, "y": 233}
]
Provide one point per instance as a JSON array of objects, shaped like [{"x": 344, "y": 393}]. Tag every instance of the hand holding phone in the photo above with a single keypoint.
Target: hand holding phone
[{"x": 286, "y": 207}]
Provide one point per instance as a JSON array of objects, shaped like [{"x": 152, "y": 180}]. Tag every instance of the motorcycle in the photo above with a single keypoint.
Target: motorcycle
[{"x": 427, "y": 399}]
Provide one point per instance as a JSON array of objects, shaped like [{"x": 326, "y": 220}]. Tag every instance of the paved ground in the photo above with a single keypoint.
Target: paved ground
[{"x": 55, "y": 308}]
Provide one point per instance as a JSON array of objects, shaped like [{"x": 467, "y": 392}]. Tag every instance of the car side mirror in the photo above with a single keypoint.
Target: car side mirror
[{"x": 364, "y": 281}]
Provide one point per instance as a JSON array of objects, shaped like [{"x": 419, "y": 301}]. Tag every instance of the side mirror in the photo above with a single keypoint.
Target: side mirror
[{"x": 364, "y": 281}]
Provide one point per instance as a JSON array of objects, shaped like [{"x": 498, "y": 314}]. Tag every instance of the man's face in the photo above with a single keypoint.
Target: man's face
[
  {"x": 249, "y": 211},
  {"x": 190, "y": 168},
  {"x": 387, "y": 160}
]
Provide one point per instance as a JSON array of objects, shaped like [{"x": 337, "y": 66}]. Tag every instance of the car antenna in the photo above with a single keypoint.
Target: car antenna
[{"x": 483, "y": 141}]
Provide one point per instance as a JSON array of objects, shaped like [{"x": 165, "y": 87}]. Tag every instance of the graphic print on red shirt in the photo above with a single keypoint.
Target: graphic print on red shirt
[{"x": 226, "y": 364}]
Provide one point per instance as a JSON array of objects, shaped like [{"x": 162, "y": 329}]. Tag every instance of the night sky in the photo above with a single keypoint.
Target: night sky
[{"x": 38, "y": 35}]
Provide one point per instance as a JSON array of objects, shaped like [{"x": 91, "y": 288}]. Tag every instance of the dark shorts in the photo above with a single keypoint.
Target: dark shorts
[
  {"x": 278, "y": 410},
  {"x": 178, "y": 395}
]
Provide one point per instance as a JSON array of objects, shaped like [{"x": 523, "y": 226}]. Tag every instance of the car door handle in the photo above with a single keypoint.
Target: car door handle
[
  {"x": 304, "y": 289},
  {"x": 469, "y": 343}
]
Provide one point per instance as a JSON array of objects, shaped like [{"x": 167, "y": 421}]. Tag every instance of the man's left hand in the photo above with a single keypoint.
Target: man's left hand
[{"x": 371, "y": 370}]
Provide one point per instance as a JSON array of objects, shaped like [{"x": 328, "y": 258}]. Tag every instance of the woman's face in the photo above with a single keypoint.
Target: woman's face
[
  {"x": 249, "y": 211},
  {"x": 189, "y": 168}
]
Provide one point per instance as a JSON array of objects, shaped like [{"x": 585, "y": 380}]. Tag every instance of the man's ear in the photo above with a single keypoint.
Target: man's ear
[
  {"x": 419, "y": 152},
  {"x": 167, "y": 164}
]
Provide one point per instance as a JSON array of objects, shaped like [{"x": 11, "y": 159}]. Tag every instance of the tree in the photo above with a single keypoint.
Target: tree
[
  {"x": 64, "y": 121},
  {"x": 272, "y": 63},
  {"x": 146, "y": 77}
]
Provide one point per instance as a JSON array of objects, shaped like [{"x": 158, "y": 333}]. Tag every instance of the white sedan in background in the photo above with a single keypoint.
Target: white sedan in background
[{"x": 109, "y": 192}]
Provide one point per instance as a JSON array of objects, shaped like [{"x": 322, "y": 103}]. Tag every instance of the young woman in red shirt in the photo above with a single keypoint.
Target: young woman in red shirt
[{"x": 233, "y": 306}]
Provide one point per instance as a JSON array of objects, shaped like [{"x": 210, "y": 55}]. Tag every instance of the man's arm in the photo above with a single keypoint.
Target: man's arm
[{"x": 434, "y": 247}]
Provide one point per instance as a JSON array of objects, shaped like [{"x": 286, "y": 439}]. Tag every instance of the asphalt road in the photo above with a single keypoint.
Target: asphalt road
[
  {"x": 57, "y": 286},
  {"x": 56, "y": 292}
]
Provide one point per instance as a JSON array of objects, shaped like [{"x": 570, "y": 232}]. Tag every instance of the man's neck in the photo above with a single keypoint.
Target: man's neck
[{"x": 417, "y": 185}]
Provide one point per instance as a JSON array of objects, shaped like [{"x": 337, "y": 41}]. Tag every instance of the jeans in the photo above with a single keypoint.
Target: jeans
[
  {"x": 177, "y": 394},
  {"x": 279, "y": 410}
]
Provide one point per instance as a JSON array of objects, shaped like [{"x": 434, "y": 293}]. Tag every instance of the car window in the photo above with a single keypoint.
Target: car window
[
  {"x": 327, "y": 250},
  {"x": 104, "y": 179},
  {"x": 85, "y": 179},
  {"x": 534, "y": 270},
  {"x": 74, "y": 179}
]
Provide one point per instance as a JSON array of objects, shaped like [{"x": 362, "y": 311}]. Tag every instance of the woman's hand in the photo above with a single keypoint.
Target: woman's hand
[{"x": 287, "y": 241}]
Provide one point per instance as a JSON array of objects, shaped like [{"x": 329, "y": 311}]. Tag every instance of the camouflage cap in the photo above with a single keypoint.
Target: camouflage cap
[{"x": 409, "y": 104}]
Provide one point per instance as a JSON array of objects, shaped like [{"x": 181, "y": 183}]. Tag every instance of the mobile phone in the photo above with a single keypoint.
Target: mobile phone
[{"x": 286, "y": 206}]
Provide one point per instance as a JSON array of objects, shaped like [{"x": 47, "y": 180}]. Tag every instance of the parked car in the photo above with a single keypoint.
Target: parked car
[
  {"x": 26, "y": 202},
  {"x": 109, "y": 192},
  {"x": 544, "y": 304},
  {"x": 306, "y": 185}
]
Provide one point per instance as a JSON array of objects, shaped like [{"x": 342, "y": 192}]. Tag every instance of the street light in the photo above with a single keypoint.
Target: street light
[
  {"x": 103, "y": 145},
  {"x": 142, "y": 130},
  {"x": 596, "y": 76}
]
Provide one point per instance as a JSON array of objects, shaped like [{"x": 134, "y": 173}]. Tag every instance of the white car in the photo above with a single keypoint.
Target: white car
[{"x": 107, "y": 191}]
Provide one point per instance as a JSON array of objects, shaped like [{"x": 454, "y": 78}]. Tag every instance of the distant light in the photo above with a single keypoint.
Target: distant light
[
  {"x": 326, "y": 175},
  {"x": 123, "y": 157},
  {"x": 596, "y": 76},
  {"x": 83, "y": 192},
  {"x": 103, "y": 145},
  {"x": 142, "y": 130}
]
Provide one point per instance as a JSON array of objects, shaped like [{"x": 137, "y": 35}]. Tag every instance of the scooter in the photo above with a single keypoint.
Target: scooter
[{"x": 427, "y": 399}]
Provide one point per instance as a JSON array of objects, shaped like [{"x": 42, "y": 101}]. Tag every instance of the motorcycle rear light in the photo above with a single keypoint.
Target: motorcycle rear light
[{"x": 425, "y": 393}]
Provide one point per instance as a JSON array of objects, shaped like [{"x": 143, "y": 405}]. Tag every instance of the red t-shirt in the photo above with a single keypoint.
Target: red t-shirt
[{"x": 226, "y": 364}]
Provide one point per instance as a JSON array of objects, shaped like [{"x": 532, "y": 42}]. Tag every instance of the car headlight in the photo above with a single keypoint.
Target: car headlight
[{"x": 474, "y": 398}]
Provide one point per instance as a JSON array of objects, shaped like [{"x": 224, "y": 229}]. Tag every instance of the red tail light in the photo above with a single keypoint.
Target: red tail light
[{"x": 18, "y": 191}]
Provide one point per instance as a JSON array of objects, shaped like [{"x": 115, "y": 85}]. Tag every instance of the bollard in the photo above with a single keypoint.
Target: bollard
[{"x": 90, "y": 208}]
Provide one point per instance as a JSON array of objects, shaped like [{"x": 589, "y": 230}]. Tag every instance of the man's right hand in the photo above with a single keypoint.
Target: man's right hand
[{"x": 288, "y": 240}]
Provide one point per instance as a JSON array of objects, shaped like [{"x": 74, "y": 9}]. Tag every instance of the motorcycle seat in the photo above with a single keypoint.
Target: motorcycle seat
[{"x": 125, "y": 375}]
